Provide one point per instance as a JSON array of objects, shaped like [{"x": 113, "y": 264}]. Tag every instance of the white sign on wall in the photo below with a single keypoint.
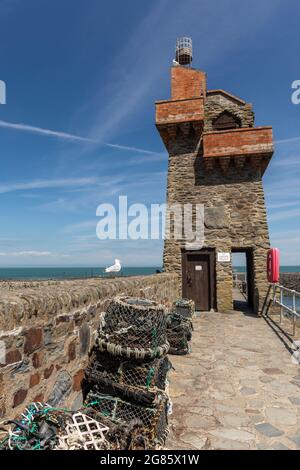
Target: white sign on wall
[{"x": 223, "y": 257}]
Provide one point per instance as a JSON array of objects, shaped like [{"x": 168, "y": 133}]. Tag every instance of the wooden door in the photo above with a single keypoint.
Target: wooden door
[{"x": 197, "y": 283}]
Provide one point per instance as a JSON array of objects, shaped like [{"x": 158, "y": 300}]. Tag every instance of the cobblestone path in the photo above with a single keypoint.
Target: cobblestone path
[{"x": 238, "y": 389}]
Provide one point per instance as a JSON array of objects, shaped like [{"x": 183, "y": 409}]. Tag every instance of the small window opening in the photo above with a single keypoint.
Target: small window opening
[{"x": 226, "y": 121}]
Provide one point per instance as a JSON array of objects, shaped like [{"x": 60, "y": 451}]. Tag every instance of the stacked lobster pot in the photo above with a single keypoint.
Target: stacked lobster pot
[
  {"x": 180, "y": 326},
  {"x": 126, "y": 378},
  {"x": 43, "y": 427}
]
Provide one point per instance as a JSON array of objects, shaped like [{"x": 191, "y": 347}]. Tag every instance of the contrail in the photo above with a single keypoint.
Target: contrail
[
  {"x": 287, "y": 141},
  {"x": 70, "y": 137}
]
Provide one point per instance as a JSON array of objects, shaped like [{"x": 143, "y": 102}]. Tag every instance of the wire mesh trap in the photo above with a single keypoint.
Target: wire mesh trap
[
  {"x": 42, "y": 427},
  {"x": 126, "y": 405},
  {"x": 154, "y": 421},
  {"x": 179, "y": 332},
  {"x": 129, "y": 380},
  {"x": 83, "y": 433},
  {"x": 134, "y": 328},
  {"x": 185, "y": 308},
  {"x": 129, "y": 436}
]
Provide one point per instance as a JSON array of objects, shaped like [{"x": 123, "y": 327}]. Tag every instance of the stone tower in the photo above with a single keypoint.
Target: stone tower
[{"x": 216, "y": 158}]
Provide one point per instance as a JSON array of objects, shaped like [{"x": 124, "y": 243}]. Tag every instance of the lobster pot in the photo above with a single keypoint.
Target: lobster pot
[
  {"x": 179, "y": 332},
  {"x": 133, "y": 328},
  {"x": 185, "y": 308},
  {"x": 121, "y": 436},
  {"x": 41, "y": 427},
  {"x": 128, "y": 380},
  {"x": 154, "y": 421}
]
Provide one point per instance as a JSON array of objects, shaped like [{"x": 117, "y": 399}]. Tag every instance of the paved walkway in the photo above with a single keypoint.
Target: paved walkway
[{"x": 238, "y": 389}]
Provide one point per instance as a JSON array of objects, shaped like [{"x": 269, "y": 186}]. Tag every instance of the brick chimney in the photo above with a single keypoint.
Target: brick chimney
[{"x": 187, "y": 83}]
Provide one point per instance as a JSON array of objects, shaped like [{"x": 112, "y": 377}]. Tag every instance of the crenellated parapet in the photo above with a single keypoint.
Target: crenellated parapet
[{"x": 219, "y": 124}]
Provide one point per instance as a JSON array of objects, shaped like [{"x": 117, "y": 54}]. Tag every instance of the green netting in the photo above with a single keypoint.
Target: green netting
[
  {"x": 129, "y": 380},
  {"x": 37, "y": 428},
  {"x": 154, "y": 420},
  {"x": 42, "y": 427},
  {"x": 179, "y": 333},
  {"x": 185, "y": 308}
]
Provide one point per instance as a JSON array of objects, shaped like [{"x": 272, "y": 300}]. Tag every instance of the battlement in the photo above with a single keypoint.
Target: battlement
[{"x": 237, "y": 144}]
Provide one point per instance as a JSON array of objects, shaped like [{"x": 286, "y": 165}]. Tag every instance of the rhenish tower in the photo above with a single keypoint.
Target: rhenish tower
[{"x": 216, "y": 158}]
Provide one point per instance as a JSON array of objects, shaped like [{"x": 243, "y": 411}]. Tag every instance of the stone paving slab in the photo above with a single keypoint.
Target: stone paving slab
[{"x": 238, "y": 389}]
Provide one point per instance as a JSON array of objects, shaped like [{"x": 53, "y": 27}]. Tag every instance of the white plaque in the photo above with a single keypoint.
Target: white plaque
[
  {"x": 223, "y": 257},
  {"x": 198, "y": 268}
]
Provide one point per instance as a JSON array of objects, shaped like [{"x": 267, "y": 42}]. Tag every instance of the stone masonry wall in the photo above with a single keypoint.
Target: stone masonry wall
[
  {"x": 48, "y": 327},
  {"x": 216, "y": 103},
  {"x": 235, "y": 216}
]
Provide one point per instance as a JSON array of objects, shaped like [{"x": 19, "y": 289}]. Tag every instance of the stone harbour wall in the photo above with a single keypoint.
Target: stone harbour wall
[
  {"x": 290, "y": 280},
  {"x": 48, "y": 327}
]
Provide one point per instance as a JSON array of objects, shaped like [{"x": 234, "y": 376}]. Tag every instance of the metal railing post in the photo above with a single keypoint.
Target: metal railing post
[
  {"x": 295, "y": 313},
  {"x": 281, "y": 303},
  {"x": 286, "y": 307}
]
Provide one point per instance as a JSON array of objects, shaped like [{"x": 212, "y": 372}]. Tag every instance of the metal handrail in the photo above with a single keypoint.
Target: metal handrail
[{"x": 291, "y": 310}]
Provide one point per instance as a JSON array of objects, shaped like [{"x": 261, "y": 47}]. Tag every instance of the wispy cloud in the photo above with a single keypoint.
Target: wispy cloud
[
  {"x": 70, "y": 137},
  {"x": 8, "y": 242},
  {"x": 30, "y": 253},
  {"x": 158, "y": 157},
  {"x": 280, "y": 205},
  {"x": 287, "y": 161},
  {"x": 288, "y": 243},
  {"x": 284, "y": 215},
  {"x": 81, "y": 226},
  {"x": 127, "y": 93},
  {"x": 127, "y": 90},
  {"x": 44, "y": 184},
  {"x": 282, "y": 187},
  {"x": 288, "y": 141}
]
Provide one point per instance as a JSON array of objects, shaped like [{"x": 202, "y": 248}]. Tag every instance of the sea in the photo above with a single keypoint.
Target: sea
[
  {"x": 40, "y": 273},
  {"x": 36, "y": 273},
  {"x": 283, "y": 269}
]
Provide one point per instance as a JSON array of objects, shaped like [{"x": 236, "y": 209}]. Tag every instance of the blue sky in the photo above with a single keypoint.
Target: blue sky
[{"x": 93, "y": 70}]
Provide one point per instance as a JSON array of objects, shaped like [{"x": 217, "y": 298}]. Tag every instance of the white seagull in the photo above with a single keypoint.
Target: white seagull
[{"x": 115, "y": 268}]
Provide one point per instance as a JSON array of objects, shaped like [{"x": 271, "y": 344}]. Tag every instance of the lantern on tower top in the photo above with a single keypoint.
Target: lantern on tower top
[{"x": 184, "y": 51}]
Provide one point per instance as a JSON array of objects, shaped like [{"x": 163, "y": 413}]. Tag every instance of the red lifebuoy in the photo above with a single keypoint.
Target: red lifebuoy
[{"x": 273, "y": 265}]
